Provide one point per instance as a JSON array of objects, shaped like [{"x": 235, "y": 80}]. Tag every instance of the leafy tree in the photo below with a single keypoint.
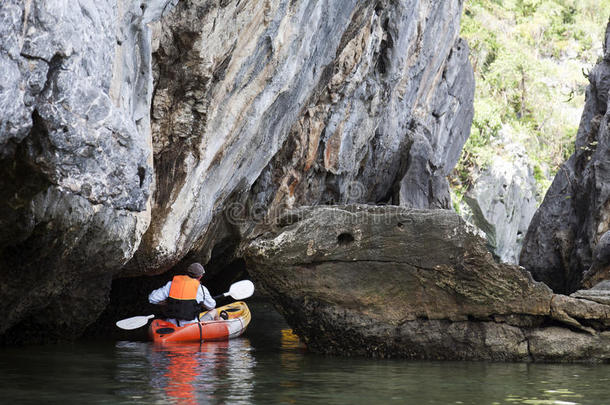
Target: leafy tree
[{"x": 528, "y": 57}]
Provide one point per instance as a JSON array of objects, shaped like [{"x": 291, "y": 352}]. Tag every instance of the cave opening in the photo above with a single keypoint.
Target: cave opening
[{"x": 129, "y": 295}]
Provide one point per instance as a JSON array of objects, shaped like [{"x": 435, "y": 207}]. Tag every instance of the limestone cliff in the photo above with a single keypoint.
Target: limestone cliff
[
  {"x": 134, "y": 134},
  {"x": 75, "y": 155},
  {"x": 265, "y": 104},
  {"x": 568, "y": 235}
]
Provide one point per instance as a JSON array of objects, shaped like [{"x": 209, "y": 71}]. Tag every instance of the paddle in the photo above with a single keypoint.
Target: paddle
[
  {"x": 239, "y": 291},
  {"x": 134, "y": 323}
]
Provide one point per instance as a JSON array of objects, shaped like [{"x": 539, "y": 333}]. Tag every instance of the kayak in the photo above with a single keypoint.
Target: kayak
[{"x": 237, "y": 316}]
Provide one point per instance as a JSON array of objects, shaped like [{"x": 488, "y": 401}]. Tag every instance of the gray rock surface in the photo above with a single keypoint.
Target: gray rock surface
[
  {"x": 391, "y": 281},
  {"x": 502, "y": 203},
  {"x": 266, "y": 104},
  {"x": 575, "y": 213},
  {"x": 600, "y": 266},
  {"x": 75, "y": 155},
  {"x": 134, "y": 135},
  {"x": 598, "y": 293}
]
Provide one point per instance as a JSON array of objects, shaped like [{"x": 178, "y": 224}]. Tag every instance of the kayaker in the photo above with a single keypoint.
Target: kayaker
[{"x": 184, "y": 297}]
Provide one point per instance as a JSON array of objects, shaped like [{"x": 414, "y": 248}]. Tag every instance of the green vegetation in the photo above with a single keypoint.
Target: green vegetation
[{"x": 530, "y": 58}]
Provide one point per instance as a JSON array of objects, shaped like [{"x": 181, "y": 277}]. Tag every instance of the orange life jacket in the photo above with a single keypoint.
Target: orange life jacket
[
  {"x": 184, "y": 288},
  {"x": 182, "y": 301}
]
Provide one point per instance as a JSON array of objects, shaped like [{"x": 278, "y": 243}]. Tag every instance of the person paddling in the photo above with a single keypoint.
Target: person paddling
[{"x": 184, "y": 297}]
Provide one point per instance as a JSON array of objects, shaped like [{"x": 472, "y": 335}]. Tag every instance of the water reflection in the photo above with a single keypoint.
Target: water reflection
[
  {"x": 271, "y": 366},
  {"x": 193, "y": 373},
  {"x": 179, "y": 372}
]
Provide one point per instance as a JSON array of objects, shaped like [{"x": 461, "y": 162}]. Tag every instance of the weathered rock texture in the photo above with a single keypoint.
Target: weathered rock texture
[
  {"x": 260, "y": 103},
  {"x": 75, "y": 155},
  {"x": 575, "y": 214},
  {"x": 390, "y": 281},
  {"x": 502, "y": 203},
  {"x": 599, "y": 293},
  {"x": 264, "y": 104}
]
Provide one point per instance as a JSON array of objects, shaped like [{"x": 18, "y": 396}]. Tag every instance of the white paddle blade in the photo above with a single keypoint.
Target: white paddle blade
[
  {"x": 241, "y": 290},
  {"x": 134, "y": 323}
]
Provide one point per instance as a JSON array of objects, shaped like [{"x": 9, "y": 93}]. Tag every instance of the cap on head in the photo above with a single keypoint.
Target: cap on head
[{"x": 195, "y": 270}]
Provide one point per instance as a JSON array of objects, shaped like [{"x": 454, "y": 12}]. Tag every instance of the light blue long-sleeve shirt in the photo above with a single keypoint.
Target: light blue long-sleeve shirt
[{"x": 203, "y": 297}]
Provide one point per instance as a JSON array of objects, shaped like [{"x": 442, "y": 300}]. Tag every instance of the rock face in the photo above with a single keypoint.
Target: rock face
[
  {"x": 75, "y": 155},
  {"x": 134, "y": 135},
  {"x": 502, "y": 204},
  {"x": 575, "y": 214},
  {"x": 600, "y": 266},
  {"x": 390, "y": 281},
  {"x": 265, "y": 104}
]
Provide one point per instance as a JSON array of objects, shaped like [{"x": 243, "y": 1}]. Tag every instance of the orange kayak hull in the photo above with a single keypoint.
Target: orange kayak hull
[{"x": 212, "y": 330}]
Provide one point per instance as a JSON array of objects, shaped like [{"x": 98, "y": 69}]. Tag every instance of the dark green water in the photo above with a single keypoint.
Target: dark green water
[{"x": 269, "y": 366}]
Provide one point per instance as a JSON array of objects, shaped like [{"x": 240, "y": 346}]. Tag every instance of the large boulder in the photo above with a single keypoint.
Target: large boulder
[
  {"x": 391, "y": 281},
  {"x": 575, "y": 214}
]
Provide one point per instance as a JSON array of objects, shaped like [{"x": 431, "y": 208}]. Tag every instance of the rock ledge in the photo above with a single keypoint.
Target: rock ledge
[{"x": 420, "y": 284}]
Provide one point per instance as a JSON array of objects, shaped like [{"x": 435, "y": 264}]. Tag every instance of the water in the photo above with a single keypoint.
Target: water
[{"x": 270, "y": 366}]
